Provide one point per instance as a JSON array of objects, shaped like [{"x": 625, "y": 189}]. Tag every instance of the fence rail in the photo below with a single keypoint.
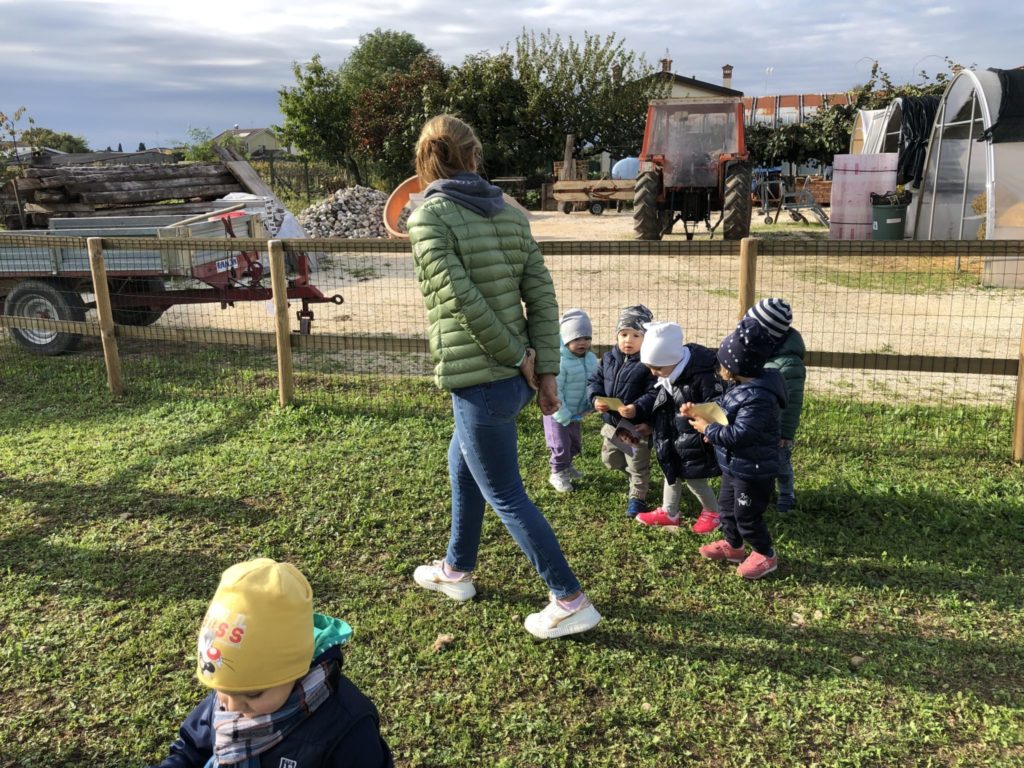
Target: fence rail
[{"x": 905, "y": 322}]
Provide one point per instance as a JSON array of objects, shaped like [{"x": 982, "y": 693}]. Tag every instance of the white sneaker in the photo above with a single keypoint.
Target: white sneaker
[
  {"x": 554, "y": 621},
  {"x": 561, "y": 481},
  {"x": 574, "y": 474},
  {"x": 433, "y": 578}
]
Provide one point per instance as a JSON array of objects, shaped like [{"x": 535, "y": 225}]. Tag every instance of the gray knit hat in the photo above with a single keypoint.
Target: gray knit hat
[
  {"x": 634, "y": 317},
  {"x": 574, "y": 324},
  {"x": 774, "y": 314}
]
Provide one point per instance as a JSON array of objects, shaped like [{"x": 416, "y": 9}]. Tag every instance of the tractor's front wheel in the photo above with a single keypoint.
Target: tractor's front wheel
[
  {"x": 737, "y": 208},
  {"x": 647, "y": 219}
]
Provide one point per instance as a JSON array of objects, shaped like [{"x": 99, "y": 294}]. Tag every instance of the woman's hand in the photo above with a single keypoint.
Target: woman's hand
[
  {"x": 601, "y": 407},
  {"x": 547, "y": 394},
  {"x": 627, "y": 411},
  {"x": 526, "y": 368}
]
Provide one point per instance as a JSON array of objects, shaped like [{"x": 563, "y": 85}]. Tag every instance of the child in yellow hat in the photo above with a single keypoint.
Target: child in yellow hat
[{"x": 279, "y": 697}]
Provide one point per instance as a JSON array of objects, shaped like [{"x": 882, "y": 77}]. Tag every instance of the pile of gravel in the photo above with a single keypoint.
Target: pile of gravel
[{"x": 349, "y": 212}]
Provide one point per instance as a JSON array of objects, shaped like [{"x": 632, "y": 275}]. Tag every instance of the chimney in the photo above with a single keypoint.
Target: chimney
[
  {"x": 666, "y": 63},
  {"x": 727, "y": 76}
]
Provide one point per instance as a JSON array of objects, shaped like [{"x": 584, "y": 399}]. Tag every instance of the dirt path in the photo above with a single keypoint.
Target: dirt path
[{"x": 699, "y": 292}]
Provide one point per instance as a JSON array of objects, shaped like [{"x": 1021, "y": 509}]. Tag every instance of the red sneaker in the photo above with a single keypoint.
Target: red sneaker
[
  {"x": 657, "y": 517},
  {"x": 706, "y": 522},
  {"x": 757, "y": 565},
  {"x": 722, "y": 550}
]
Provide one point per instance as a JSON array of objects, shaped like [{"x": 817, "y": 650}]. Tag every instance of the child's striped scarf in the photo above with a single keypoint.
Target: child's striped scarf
[{"x": 240, "y": 739}]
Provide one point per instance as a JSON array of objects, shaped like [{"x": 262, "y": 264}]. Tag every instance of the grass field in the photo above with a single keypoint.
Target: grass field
[{"x": 890, "y": 636}]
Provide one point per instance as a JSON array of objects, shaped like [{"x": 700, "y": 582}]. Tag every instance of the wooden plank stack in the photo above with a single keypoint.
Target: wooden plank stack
[{"x": 119, "y": 190}]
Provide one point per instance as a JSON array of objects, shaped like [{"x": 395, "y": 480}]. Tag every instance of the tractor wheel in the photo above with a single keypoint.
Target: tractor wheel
[
  {"x": 140, "y": 315},
  {"x": 596, "y": 207},
  {"x": 668, "y": 221},
  {"x": 34, "y": 298},
  {"x": 647, "y": 219},
  {"x": 737, "y": 209}
]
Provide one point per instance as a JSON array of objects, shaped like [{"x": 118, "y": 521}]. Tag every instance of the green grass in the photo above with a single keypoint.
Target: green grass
[{"x": 116, "y": 520}]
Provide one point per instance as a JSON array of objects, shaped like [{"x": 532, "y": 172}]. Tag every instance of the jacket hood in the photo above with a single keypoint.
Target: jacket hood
[
  {"x": 470, "y": 191},
  {"x": 329, "y": 632},
  {"x": 791, "y": 344},
  {"x": 771, "y": 381}
]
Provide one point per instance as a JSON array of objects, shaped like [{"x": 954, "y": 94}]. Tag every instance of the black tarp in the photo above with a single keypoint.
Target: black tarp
[
  {"x": 1009, "y": 123},
  {"x": 918, "y": 116}
]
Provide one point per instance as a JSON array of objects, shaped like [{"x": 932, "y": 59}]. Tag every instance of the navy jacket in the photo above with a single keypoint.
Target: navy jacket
[
  {"x": 681, "y": 450},
  {"x": 342, "y": 733},
  {"x": 749, "y": 446},
  {"x": 627, "y": 379}
]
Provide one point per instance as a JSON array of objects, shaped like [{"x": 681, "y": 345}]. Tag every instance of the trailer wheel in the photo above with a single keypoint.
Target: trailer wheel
[
  {"x": 647, "y": 219},
  {"x": 34, "y": 298},
  {"x": 139, "y": 316},
  {"x": 566, "y": 208},
  {"x": 596, "y": 207},
  {"x": 737, "y": 209}
]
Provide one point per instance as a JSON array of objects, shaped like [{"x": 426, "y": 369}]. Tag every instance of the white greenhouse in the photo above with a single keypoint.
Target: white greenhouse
[{"x": 973, "y": 186}]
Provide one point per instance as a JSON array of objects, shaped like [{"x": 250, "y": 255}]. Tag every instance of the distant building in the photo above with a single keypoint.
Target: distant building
[
  {"x": 691, "y": 86},
  {"x": 789, "y": 109},
  {"x": 254, "y": 141}
]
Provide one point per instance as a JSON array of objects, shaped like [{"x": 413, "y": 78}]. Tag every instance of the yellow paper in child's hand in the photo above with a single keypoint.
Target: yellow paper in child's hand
[
  {"x": 613, "y": 403},
  {"x": 709, "y": 412}
]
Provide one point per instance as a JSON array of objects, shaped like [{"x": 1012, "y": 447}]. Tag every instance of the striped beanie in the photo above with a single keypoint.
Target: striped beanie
[
  {"x": 634, "y": 317},
  {"x": 774, "y": 314}
]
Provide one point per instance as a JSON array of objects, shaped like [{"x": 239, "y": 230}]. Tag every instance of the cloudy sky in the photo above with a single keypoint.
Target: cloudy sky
[{"x": 125, "y": 71}]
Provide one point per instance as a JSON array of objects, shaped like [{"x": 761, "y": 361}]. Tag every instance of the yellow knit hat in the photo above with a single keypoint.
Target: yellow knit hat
[{"x": 258, "y": 630}]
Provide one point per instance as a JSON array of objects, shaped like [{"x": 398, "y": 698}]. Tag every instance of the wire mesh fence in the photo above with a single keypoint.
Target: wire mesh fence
[{"x": 890, "y": 327}]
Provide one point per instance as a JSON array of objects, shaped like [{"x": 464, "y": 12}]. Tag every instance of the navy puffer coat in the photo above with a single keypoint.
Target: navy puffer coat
[
  {"x": 749, "y": 446},
  {"x": 681, "y": 450},
  {"x": 624, "y": 377}
]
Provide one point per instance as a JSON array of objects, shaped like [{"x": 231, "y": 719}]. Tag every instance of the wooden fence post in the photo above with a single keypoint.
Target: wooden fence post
[
  {"x": 279, "y": 285},
  {"x": 1018, "y": 405},
  {"x": 102, "y": 292},
  {"x": 748, "y": 273}
]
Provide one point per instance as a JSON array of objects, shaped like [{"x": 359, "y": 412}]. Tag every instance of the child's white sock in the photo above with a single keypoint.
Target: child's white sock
[
  {"x": 572, "y": 605},
  {"x": 450, "y": 573}
]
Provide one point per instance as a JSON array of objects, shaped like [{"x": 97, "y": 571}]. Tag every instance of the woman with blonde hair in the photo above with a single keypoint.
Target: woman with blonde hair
[{"x": 493, "y": 321}]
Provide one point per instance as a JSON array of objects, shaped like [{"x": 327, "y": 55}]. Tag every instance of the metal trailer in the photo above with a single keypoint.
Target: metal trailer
[
  {"x": 44, "y": 273},
  {"x": 597, "y": 194}
]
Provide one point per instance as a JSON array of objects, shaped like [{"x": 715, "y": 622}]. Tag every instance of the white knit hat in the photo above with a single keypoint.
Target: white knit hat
[
  {"x": 663, "y": 344},
  {"x": 574, "y": 324},
  {"x": 774, "y": 314}
]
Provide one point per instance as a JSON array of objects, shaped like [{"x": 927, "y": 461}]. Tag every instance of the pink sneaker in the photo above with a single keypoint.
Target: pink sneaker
[
  {"x": 722, "y": 550},
  {"x": 657, "y": 517},
  {"x": 706, "y": 522},
  {"x": 757, "y": 565}
]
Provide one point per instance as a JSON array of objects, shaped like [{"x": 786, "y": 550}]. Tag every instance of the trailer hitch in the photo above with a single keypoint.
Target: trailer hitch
[{"x": 305, "y": 315}]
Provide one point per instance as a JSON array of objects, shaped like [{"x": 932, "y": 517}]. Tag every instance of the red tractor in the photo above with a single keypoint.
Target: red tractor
[{"x": 693, "y": 162}]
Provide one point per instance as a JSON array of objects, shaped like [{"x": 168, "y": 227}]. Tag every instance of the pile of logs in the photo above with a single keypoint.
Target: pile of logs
[{"x": 120, "y": 190}]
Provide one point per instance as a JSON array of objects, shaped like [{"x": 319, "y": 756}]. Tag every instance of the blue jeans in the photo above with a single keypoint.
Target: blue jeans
[
  {"x": 483, "y": 465},
  {"x": 787, "y": 497}
]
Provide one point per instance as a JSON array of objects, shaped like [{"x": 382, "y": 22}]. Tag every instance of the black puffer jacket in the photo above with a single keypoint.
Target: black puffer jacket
[
  {"x": 749, "y": 446},
  {"x": 682, "y": 452},
  {"x": 626, "y": 378}
]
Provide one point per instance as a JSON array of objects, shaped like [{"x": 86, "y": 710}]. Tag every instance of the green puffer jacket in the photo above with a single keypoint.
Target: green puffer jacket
[
  {"x": 788, "y": 359},
  {"x": 476, "y": 274}
]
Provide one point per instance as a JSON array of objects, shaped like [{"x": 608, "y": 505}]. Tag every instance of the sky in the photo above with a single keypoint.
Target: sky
[{"x": 130, "y": 71}]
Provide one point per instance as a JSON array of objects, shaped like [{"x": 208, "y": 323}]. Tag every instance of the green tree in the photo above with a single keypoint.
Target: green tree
[
  {"x": 596, "y": 90},
  {"x": 317, "y": 111},
  {"x": 484, "y": 92},
  {"x": 199, "y": 147},
  {"x": 387, "y": 117},
  {"x": 62, "y": 141},
  {"x": 379, "y": 56}
]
